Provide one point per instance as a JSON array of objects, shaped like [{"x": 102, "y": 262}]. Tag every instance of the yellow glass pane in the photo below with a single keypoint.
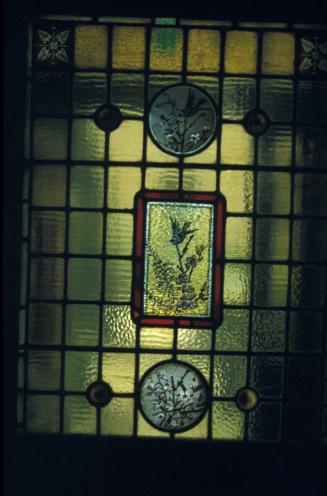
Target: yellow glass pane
[
  {"x": 49, "y": 185},
  {"x": 117, "y": 418},
  {"x": 91, "y": 46},
  {"x": 124, "y": 182},
  {"x": 44, "y": 369},
  {"x": 79, "y": 416},
  {"x": 237, "y": 146},
  {"x": 161, "y": 178},
  {"x": 47, "y": 278},
  {"x": 237, "y": 187},
  {"x": 227, "y": 421},
  {"x": 43, "y": 413},
  {"x": 126, "y": 142},
  {"x": 278, "y": 52},
  {"x": 86, "y": 187},
  {"x": 119, "y": 234},
  {"x": 200, "y": 431},
  {"x": 208, "y": 156},
  {"x": 87, "y": 140},
  {"x": 48, "y": 232},
  {"x": 232, "y": 335},
  {"x": 50, "y": 139},
  {"x": 118, "y": 329},
  {"x": 85, "y": 233},
  {"x": 128, "y": 47},
  {"x": 237, "y": 284},
  {"x": 199, "y": 180},
  {"x": 203, "y": 50},
  {"x": 118, "y": 280},
  {"x": 241, "y": 52},
  {"x": 147, "y": 360},
  {"x": 156, "y": 338},
  {"x": 229, "y": 374},
  {"x": 82, "y": 325},
  {"x": 118, "y": 370},
  {"x": 238, "y": 243},
  {"x": 166, "y": 49},
  {"x": 45, "y": 323},
  {"x": 154, "y": 154},
  {"x": 194, "y": 339},
  {"x": 200, "y": 362},
  {"x": 146, "y": 430}
]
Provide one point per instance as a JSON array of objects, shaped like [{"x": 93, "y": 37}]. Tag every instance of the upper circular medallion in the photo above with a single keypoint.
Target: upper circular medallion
[{"x": 182, "y": 120}]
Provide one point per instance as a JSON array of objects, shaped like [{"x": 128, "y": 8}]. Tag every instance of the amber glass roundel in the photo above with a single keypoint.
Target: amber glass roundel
[
  {"x": 99, "y": 393},
  {"x": 182, "y": 120},
  {"x": 256, "y": 122},
  {"x": 108, "y": 117},
  {"x": 246, "y": 399}
]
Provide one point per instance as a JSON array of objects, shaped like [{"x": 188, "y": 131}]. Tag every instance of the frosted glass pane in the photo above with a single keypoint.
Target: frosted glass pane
[
  {"x": 312, "y": 102},
  {"x": 51, "y": 92},
  {"x": 118, "y": 329},
  {"x": 194, "y": 339},
  {"x": 200, "y": 362}
]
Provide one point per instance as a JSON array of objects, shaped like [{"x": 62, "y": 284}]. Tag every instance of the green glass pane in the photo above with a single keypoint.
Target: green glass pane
[
  {"x": 49, "y": 186},
  {"x": 264, "y": 422},
  {"x": 311, "y": 147},
  {"x": 47, "y": 278},
  {"x": 82, "y": 325},
  {"x": 276, "y": 98},
  {"x": 272, "y": 239},
  {"x": 127, "y": 93},
  {"x": 79, "y": 416},
  {"x": 89, "y": 92},
  {"x": 238, "y": 241},
  {"x": 194, "y": 339},
  {"x": 84, "y": 279},
  {"x": 156, "y": 338},
  {"x": 50, "y": 139},
  {"x": 44, "y": 369},
  {"x": 45, "y": 322},
  {"x": 51, "y": 90},
  {"x": 200, "y": 362},
  {"x": 85, "y": 233},
  {"x": 209, "y": 84},
  {"x": 227, "y": 421},
  {"x": 87, "y": 187},
  {"x": 310, "y": 194},
  {"x": 268, "y": 330},
  {"x": 237, "y": 281},
  {"x": 238, "y": 97},
  {"x": 119, "y": 234},
  {"x": 310, "y": 240},
  {"x": 275, "y": 146},
  {"x": 232, "y": 335},
  {"x": 159, "y": 81},
  {"x": 81, "y": 369},
  {"x": 48, "y": 232},
  {"x": 266, "y": 375},
  {"x": 308, "y": 286},
  {"x": 312, "y": 102},
  {"x": 123, "y": 184},
  {"x": 273, "y": 193},
  {"x": 166, "y": 49},
  {"x": 118, "y": 417},
  {"x": 229, "y": 375},
  {"x": 118, "y": 329},
  {"x": 118, "y": 280},
  {"x": 118, "y": 370},
  {"x": 43, "y": 413},
  {"x": 270, "y": 285},
  {"x": 303, "y": 377},
  {"x": 306, "y": 331},
  {"x": 237, "y": 187},
  {"x": 87, "y": 140}
]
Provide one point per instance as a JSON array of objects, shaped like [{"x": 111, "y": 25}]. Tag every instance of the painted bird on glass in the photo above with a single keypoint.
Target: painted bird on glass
[{"x": 180, "y": 232}]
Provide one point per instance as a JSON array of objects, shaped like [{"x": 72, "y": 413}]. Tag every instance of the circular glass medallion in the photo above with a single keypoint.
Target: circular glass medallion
[
  {"x": 182, "y": 120},
  {"x": 173, "y": 396},
  {"x": 99, "y": 393},
  {"x": 108, "y": 117},
  {"x": 256, "y": 122},
  {"x": 246, "y": 399}
]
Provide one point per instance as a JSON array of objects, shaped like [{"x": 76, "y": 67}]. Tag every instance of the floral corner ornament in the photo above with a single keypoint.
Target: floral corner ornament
[
  {"x": 313, "y": 58},
  {"x": 52, "y": 46}
]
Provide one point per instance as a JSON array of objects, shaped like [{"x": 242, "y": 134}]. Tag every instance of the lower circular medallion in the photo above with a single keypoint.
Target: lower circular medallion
[{"x": 173, "y": 396}]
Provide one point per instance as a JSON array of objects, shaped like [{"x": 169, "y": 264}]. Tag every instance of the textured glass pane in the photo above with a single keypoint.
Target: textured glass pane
[
  {"x": 161, "y": 178},
  {"x": 237, "y": 146},
  {"x": 302, "y": 422},
  {"x": 144, "y": 429},
  {"x": 85, "y": 233},
  {"x": 238, "y": 242},
  {"x": 79, "y": 416},
  {"x": 310, "y": 194},
  {"x": 194, "y": 339},
  {"x": 148, "y": 360},
  {"x": 81, "y": 369},
  {"x": 26, "y": 184},
  {"x": 45, "y": 321},
  {"x": 166, "y": 49},
  {"x": 310, "y": 240},
  {"x": 159, "y": 81},
  {"x": 49, "y": 185},
  {"x": 87, "y": 187},
  {"x": 306, "y": 331},
  {"x": 91, "y": 46},
  {"x": 264, "y": 422},
  {"x": 154, "y": 154},
  {"x": 23, "y": 277},
  {"x": 208, "y": 156},
  {"x": 25, "y": 211},
  {"x": 312, "y": 102},
  {"x": 241, "y": 52},
  {"x": 43, "y": 413},
  {"x": 200, "y": 362},
  {"x": 237, "y": 280},
  {"x": 276, "y": 98},
  {"x": 199, "y": 180},
  {"x": 82, "y": 325},
  {"x": 229, "y": 375},
  {"x": 238, "y": 97},
  {"x": 273, "y": 194},
  {"x": 127, "y": 93},
  {"x": 303, "y": 376},
  {"x": 118, "y": 370},
  {"x": 278, "y": 52},
  {"x": 126, "y": 143},
  {"x": 128, "y": 47},
  {"x": 119, "y": 234},
  {"x": 48, "y": 232},
  {"x": 156, "y": 338},
  {"x": 47, "y": 278},
  {"x": 268, "y": 330},
  {"x": 118, "y": 280},
  {"x": 117, "y": 418},
  {"x": 50, "y": 139},
  {"x": 270, "y": 285},
  {"x": 232, "y": 335},
  {"x": 118, "y": 328},
  {"x": 237, "y": 187},
  {"x": 227, "y": 421},
  {"x": 87, "y": 140},
  {"x": 51, "y": 92},
  {"x": 89, "y": 92},
  {"x": 203, "y": 50},
  {"x": 311, "y": 146},
  {"x": 20, "y": 371},
  {"x": 266, "y": 375},
  {"x": 275, "y": 146},
  {"x": 272, "y": 239},
  {"x": 210, "y": 84},
  {"x": 84, "y": 279},
  {"x": 44, "y": 369},
  {"x": 21, "y": 325},
  {"x": 124, "y": 182},
  {"x": 308, "y": 286}
]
